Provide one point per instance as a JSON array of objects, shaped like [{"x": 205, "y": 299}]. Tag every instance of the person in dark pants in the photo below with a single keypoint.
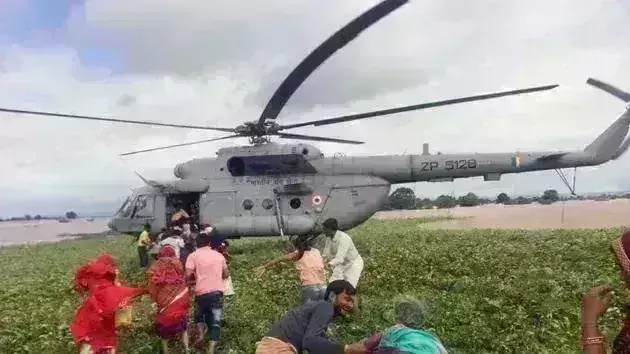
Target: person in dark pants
[
  {"x": 143, "y": 246},
  {"x": 304, "y": 328},
  {"x": 209, "y": 269}
]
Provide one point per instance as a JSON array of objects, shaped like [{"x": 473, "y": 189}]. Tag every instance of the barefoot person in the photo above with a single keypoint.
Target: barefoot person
[
  {"x": 304, "y": 328},
  {"x": 310, "y": 266},
  {"x": 596, "y": 301},
  {"x": 168, "y": 289},
  {"x": 341, "y": 254},
  {"x": 209, "y": 269}
]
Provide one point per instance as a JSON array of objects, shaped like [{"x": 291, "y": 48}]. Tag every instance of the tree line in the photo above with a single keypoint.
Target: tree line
[
  {"x": 405, "y": 198},
  {"x": 69, "y": 215}
]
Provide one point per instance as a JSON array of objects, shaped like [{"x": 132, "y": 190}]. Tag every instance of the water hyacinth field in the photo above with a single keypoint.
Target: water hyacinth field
[{"x": 487, "y": 291}]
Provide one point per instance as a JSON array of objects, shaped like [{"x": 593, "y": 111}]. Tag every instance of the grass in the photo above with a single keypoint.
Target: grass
[{"x": 489, "y": 291}]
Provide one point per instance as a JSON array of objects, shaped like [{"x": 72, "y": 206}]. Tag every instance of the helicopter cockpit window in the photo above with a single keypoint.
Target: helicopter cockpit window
[
  {"x": 143, "y": 206},
  {"x": 121, "y": 211},
  {"x": 292, "y": 164}
]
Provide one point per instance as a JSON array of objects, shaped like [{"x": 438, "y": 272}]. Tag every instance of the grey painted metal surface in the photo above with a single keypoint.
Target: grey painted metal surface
[{"x": 267, "y": 189}]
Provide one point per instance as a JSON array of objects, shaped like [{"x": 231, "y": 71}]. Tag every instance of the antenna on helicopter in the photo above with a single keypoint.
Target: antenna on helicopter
[{"x": 266, "y": 126}]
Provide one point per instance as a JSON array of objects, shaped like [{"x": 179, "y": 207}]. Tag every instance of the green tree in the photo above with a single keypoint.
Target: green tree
[
  {"x": 402, "y": 198},
  {"x": 522, "y": 200},
  {"x": 468, "y": 200},
  {"x": 424, "y": 203},
  {"x": 38, "y": 217},
  {"x": 27, "y": 217},
  {"x": 550, "y": 196},
  {"x": 71, "y": 215},
  {"x": 445, "y": 201},
  {"x": 503, "y": 198}
]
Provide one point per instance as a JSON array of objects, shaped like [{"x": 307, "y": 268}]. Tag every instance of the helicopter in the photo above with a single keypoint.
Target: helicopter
[{"x": 267, "y": 189}]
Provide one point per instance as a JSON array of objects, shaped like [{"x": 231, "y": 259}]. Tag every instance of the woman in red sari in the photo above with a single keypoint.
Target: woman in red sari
[
  {"x": 168, "y": 288},
  {"x": 93, "y": 327}
]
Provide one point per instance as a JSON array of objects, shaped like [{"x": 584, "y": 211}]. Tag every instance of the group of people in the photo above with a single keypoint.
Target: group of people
[
  {"x": 190, "y": 265},
  {"x": 304, "y": 328}
]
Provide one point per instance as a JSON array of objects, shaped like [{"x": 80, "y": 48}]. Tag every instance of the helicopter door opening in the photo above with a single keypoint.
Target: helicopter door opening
[{"x": 187, "y": 201}]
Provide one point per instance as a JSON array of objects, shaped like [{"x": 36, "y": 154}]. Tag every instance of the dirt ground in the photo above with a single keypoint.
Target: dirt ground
[{"x": 567, "y": 215}]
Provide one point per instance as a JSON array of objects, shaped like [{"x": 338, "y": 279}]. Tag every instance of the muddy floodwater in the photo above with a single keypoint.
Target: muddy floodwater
[
  {"x": 17, "y": 232},
  {"x": 568, "y": 215}
]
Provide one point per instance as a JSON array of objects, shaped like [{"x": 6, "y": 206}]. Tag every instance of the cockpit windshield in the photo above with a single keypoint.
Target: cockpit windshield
[{"x": 124, "y": 208}]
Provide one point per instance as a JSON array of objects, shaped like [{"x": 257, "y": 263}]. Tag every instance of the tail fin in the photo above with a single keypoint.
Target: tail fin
[{"x": 610, "y": 144}]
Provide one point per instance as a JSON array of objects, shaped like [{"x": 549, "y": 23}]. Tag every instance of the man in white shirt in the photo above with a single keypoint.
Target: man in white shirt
[
  {"x": 174, "y": 240},
  {"x": 341, "y": 254}
]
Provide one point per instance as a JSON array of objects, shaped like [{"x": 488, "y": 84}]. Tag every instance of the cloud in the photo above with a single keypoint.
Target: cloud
[{"x": 194, "y": 62}]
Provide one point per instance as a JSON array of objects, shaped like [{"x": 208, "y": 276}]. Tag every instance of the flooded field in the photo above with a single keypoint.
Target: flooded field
[
  {"x": 569, "y": 215},
  {"x": 34, "y": 231}
]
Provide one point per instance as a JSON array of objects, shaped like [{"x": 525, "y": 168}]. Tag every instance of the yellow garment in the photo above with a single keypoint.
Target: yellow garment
[
  {"x": 270, "y": 345},
  {"x": 144, "y": 239},
  {"x": 123, "y": 317},
  {"x": 87, "y": 349}
]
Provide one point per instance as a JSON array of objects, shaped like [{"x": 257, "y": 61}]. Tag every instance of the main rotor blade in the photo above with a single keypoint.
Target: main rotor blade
[
  {"x": 178, "y": 145},
  {"x": 610, "y": 89},
  {"x": 63, "y": 115},
  {"x": 383, "y": 112},
  {"x": 318, "y": 138},
  {"x": 322, "y": 53}
]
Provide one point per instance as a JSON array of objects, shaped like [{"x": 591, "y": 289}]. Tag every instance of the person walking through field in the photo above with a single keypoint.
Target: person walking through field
[
  {"x": 173, "y": 239},
  {"x": 341, "y": 254},
  {"x": 143, "y": 246},
  {"x": 209, "y": 270},
  {"x": 310, "y": 266},
  {"x": 167, "y": 288}
]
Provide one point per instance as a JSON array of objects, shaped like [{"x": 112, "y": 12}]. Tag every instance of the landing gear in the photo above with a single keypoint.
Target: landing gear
[{"x": 565, "y": 180}]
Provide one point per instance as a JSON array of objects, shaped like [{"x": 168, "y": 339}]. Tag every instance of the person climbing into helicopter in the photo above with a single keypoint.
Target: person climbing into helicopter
[
  {"x": 310, "y": 266},
  {"x": 179, "y": 216},
  {"x": 341, "y": 254}
]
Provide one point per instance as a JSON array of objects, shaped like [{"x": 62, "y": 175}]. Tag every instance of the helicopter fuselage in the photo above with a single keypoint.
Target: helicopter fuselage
[{"x": 272, "y": 189}]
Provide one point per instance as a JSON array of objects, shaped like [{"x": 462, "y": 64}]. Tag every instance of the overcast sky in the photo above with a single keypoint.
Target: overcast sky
[{"x": 217, "y": 63}]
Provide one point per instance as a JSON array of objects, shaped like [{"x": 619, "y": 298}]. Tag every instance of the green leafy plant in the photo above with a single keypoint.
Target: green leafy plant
[{"x": 487, "y": 291}]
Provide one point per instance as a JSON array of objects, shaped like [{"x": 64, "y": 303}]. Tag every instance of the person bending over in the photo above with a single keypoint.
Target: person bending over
[{"x": 304, "y": 327}]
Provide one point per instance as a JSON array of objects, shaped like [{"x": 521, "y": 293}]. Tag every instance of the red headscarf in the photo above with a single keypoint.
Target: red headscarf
[
  {"x": 94, "y": 321},
  {"x": 167, "y": 251},
  {"x": 97, "y": 272},
  {"x": 621, "y": 247}
]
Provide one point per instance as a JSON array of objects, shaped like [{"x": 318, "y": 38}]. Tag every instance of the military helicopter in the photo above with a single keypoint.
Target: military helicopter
[{"x": 267, "y": 189}]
